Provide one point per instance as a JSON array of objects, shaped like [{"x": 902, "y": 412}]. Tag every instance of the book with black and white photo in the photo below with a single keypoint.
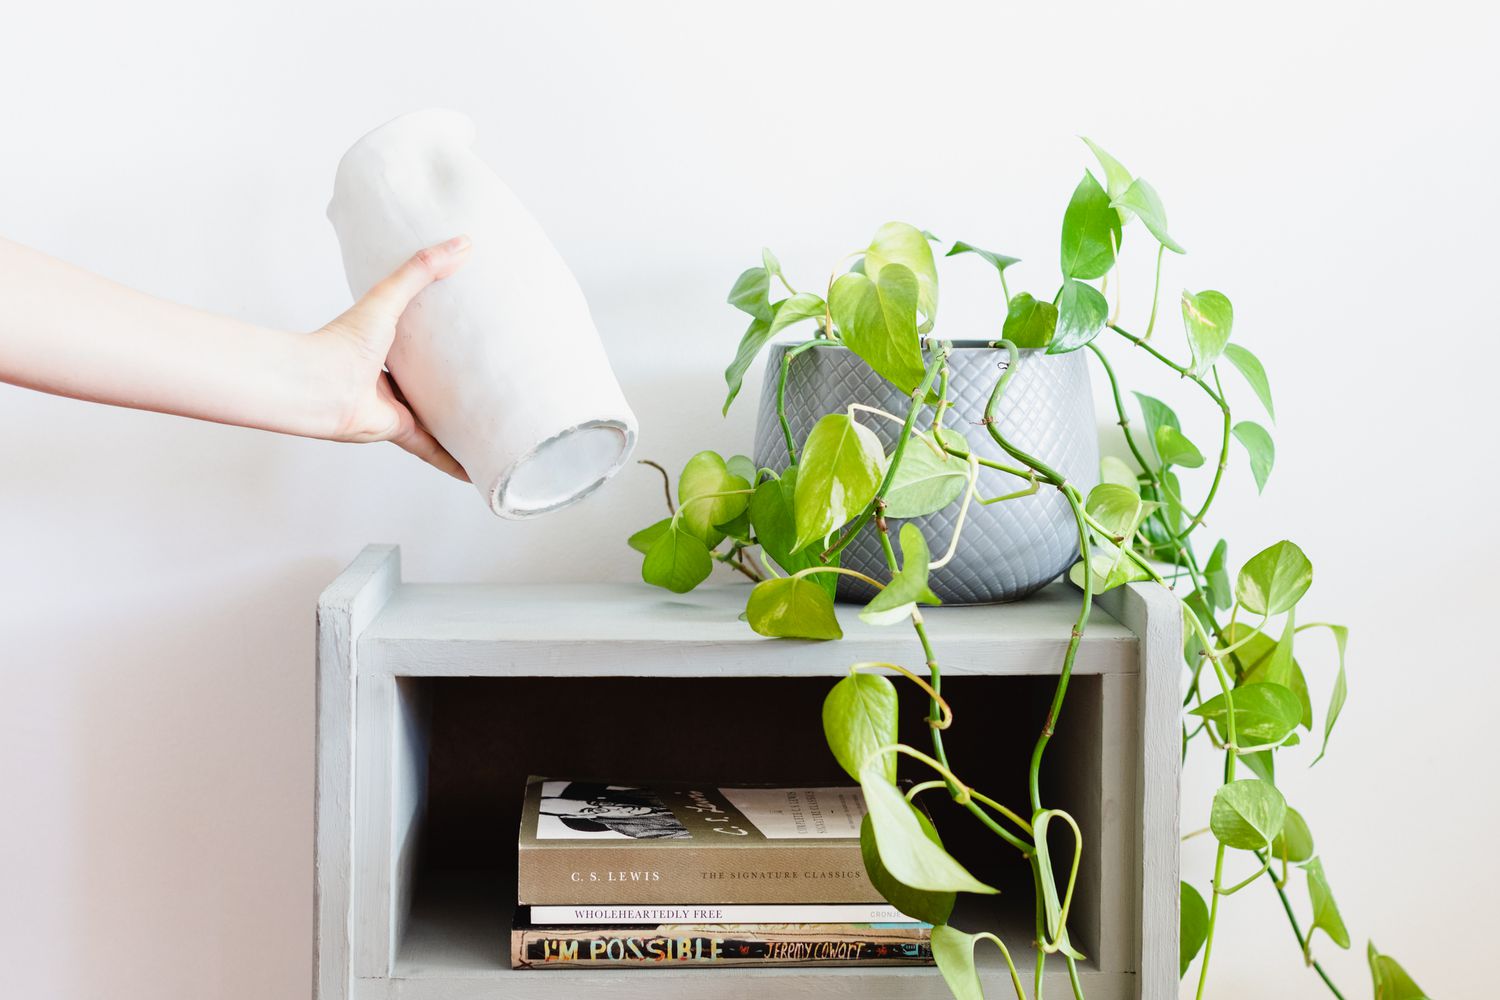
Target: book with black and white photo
[{"x": 592, "y": 843}]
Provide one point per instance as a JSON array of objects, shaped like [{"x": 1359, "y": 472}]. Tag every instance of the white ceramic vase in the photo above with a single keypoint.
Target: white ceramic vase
[{"x": 501, "y": 361}]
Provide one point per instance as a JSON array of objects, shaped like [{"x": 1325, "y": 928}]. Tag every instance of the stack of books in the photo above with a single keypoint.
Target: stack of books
[{"x": 625, "y": 875}]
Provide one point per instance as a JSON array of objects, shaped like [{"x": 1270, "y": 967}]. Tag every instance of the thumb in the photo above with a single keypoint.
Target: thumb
[{"x": 388, "y": 299}]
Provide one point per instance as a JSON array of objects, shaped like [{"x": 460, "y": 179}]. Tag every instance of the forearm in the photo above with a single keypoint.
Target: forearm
[{"x": 72, "y": 333}]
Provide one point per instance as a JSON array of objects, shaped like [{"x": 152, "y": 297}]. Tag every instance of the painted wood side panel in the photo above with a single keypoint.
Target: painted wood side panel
[
  {"x": 374, "y": 744},
  {"x": 345, "y": 609},
  {"x": 408, "y": 798},
  {"x": 1155, "y": 615},
  {"x": 1119, "y": 750}
]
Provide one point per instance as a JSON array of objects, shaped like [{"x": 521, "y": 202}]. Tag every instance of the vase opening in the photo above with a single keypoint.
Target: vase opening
[{"x": 563, "y": 469}]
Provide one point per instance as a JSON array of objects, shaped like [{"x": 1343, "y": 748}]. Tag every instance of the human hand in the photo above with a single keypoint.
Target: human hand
[{"x": 368, "y": 403}]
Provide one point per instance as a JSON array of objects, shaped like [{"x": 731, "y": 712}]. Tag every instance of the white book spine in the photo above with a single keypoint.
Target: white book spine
[{"x": 700, "y": 913}]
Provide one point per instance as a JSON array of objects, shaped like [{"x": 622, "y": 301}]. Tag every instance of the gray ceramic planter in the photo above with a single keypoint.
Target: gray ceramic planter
[{"x": 1008, "y": 549}]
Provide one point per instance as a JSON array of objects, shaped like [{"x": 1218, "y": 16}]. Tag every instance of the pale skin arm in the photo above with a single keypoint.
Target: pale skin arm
[{"x": 66, "y": 331}]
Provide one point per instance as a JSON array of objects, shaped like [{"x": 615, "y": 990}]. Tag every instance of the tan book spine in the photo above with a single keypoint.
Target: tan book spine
[
  {"x": 683, "y": 946},
  {"x": 643, "y": 874}
]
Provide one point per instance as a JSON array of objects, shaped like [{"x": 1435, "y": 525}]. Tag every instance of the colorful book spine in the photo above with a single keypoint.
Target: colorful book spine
[{"x": 717, "y": 946}]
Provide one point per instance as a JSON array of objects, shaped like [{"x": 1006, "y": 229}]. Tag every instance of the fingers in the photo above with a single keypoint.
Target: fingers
[
  {"x": 394, "y": 293},
  {"x": 414, "y": 439},
  {"x": 412, "y": 436}
]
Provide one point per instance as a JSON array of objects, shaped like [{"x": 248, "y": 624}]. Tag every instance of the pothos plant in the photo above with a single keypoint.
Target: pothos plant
[{"x": 1246, "y": 694}]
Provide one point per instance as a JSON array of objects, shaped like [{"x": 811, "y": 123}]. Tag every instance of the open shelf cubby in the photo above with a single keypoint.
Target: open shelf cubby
[{"x": 436, "y": 701}]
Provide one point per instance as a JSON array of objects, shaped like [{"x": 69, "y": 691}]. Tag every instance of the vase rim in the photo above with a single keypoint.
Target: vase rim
[{"x": 958, "y": 345}]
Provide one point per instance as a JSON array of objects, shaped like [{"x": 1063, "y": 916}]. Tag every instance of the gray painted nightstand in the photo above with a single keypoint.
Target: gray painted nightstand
[{"x": 434, "y": 702}]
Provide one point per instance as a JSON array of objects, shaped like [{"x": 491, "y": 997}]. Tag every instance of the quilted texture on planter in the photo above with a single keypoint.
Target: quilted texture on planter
[{"x": 1009, "y": 549}]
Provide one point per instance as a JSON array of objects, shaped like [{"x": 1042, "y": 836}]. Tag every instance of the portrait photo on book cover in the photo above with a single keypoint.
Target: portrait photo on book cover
[{"x": 582, "y": 810}]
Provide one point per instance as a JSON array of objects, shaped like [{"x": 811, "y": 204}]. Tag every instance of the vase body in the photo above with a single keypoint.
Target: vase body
[
  {"x": 1008, "y": 549},
  {"x": 501, "y": 361}
]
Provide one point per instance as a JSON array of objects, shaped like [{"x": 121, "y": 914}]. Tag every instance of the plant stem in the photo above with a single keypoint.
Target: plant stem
[
  {"x": 1019, "y": 473},
  {"x": 666, "y": 482},
  {"x": 1181, "y": 548},
  {"x": 1054, "y": 712},
  {"x": 728, "y": 559},
  {"x": 918, "y": 400},
  {"x": 1060, "y": 692},
  {"x": 842, "y": 571},
  {"x": 1223, "y": 456},
  {"x": 1229, "y": 763},
  {"x": 1291, "y": 916},
  {"x": 1156, "y": 292}
]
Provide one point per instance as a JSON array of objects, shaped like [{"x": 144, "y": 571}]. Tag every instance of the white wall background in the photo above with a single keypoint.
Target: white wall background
[{"x": 1330, "y": 166}]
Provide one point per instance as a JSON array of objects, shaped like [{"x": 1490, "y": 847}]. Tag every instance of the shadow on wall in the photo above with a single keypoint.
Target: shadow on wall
[{"x": 192, "y": 778}]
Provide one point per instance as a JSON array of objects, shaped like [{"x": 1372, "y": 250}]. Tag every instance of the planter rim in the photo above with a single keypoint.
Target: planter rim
[{"x": 958, "y": 345}]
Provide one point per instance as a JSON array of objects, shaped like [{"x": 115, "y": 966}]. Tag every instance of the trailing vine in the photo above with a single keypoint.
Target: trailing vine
[{"x": 1245, "y": 692}]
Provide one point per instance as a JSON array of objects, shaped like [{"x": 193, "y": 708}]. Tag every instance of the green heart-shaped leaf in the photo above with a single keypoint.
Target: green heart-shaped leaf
[
  {"x": 770, "y": 263},
  {"x": 1216, "y": 574},
  {"x": 859, "y": 717},
  {"x": 907, "y": 588},
  {"x": 1193, "y": 920},
  {"x": 699, "y": 512},
  {"x": 1116, "y": 178},
  {"x": 1390, "y": 980},
  {"x": 1257, "y": 441},
  {"x": 1028, "y": 322},
  {"x": 904, "y": 848},
  {"x": 1274, "y": 579},
  {"x": 678, "y": 560},
  {"x": 1118, "y": 509},
  {"x": 1247, "y": 814},
  {"x": 742, "y": 466},
  {"x": 1263, "y": 713},
  {"x": 1142, "y": 199},
  {"x": 1081, "y": 313},
  {"x": 1157, "y": 415},
  {"x": 1325, "y": 911},
  {"x": 904, "y": 245},
  {"x": 877, "y": 320},
  {"x": 792, "y": 607},
  {"x": 1090, "y": 232},
  {"x": 953, "y": 951},
  {"x": 757, "y": 335},
  {"x": 1281, "y": 666},
  {"x": 1295, "y": 841},
  {"x": 1263, "y": 660},
  {"x": 926, "y": 481},
  {"x": 752, "y": 293},
  {"x": 1111, "y": 568},
  {"x": 1340, "y": 689},
  {"x": 1208, "y": 317},
  {"x": 1114, "y": 470},
  {"x": 932, "y": 907},
  {"x": 642, "y": 540},
  {"x": 1255, "y": 374},
  {"x": 775, "y": 527},
  {"x": 1173, "y": 448},
  {"x": 842, "y": 467},
  {"x": 803, "y": 305},
  {"x": 998, "y": 260}
]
